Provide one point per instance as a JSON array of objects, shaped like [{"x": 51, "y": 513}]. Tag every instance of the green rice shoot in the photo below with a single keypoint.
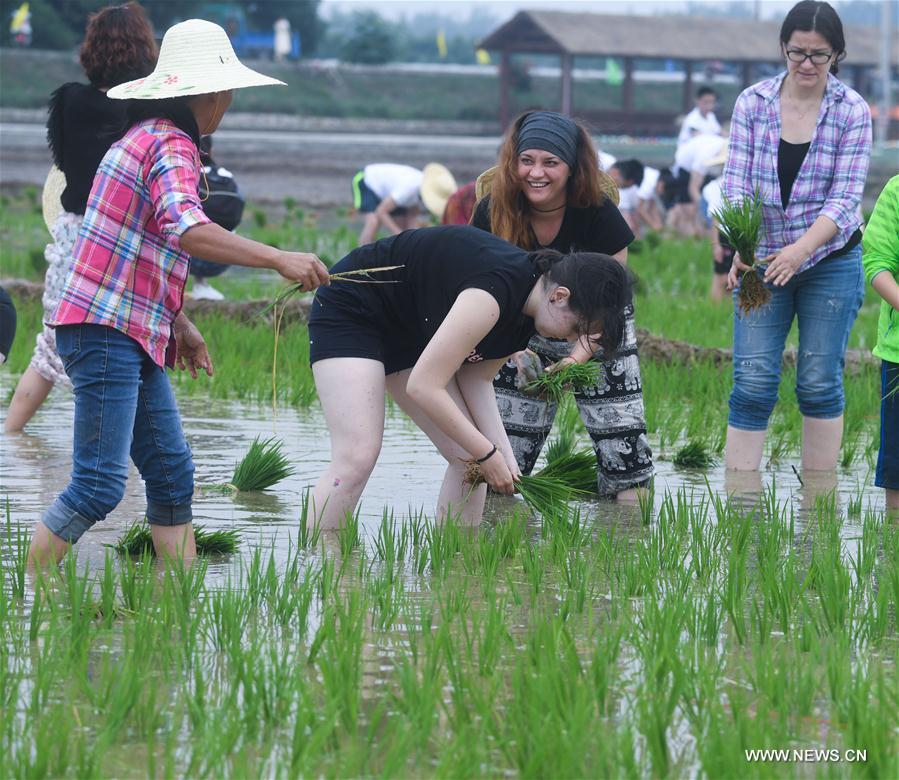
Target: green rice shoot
[
  {"x": 264, "y": 465},
  {"x": 553, "y": 385},
  {"x": 694, "y": 455},
  {"x": 575, "y": 469},
  {"x": 741, "y": 224},
  {"x": 138, "y": 541}
]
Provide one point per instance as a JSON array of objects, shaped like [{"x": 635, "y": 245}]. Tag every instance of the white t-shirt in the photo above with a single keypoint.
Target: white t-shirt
[
  {"x": 695, "y": 122},
  {"x": 400, "y": 182},
  {"x": 647, "y": 188},
  {"x": 628, "y": 198},
  {"x": 711, "y": 193},
  {"x": 694, "y": 155},
  {"x": 606, "y": 160}
]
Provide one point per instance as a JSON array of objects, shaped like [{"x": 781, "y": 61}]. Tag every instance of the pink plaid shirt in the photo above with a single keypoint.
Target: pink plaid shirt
[
  {"x": 832, "y": 176},
  {"x": 129, "y": 270}
]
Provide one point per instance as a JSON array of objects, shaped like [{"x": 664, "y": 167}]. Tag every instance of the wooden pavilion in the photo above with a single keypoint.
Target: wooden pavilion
[{"x": 688, "y": 40}]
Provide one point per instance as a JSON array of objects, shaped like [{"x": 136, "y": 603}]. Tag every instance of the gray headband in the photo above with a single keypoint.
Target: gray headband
[{"x": 550, "y": 132}]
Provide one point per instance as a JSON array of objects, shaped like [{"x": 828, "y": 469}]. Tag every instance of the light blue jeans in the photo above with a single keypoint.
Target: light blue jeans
[
  {"x": 124, "y": 405},
  {"x": 825, "y": 299}
]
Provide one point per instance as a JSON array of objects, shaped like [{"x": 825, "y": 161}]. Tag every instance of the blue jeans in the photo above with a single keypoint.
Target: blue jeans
[
  {"x": 887, "y": 474},
  {"x": 124, "y": 405},
  {"x": 206, "y": 269},
  {"x": 825, "y": 299}
]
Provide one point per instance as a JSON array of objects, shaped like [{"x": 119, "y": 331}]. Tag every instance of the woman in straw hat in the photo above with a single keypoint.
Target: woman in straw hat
[
  {"x": 457, "y": 302},
  {"x": 547, "y": 190},
  {"x": 119, "y": 322},
  {"x": 118, "y": 46}
]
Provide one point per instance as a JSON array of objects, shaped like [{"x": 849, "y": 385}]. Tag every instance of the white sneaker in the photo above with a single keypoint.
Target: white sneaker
[{"x": 203, "y": 291}]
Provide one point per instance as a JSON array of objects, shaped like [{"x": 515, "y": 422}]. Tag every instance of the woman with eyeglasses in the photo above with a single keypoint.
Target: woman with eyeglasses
[{"x": 802, "y": 141}]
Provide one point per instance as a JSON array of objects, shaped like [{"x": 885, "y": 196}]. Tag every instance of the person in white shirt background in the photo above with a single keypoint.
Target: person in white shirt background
[
  {"x": 389, "y": 196},
  {"x": 637, "y": 192},
  {"x": 701, "y": 120}
]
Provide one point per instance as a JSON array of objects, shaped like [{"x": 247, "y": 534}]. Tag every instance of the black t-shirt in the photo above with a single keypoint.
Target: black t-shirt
[
  {"x": 82, "y": 124},
  {"x": 438, "y": 263},
  {"x": 593, "y": 229},
  {"x": 789, "y": 160}
]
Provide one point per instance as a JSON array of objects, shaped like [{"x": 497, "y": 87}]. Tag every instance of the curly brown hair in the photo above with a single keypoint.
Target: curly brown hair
[
  {"x": 509, "y": 207},
  {"x": 118, "y": 46}
]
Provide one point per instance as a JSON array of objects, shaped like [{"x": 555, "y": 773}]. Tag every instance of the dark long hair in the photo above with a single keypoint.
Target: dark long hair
[
  {"x": 118, "y": 46},
  {"x": 509, "y": 207},
  {"x": 819, "y": 17},
  {"x": 600, "y": 290},
  {"x": 175, "y": 109}
]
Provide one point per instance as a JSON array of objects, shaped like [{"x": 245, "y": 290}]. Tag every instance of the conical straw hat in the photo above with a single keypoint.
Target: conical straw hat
[
  {"x": 437, "y": 185},
  {"x": 195, "y": 58}
]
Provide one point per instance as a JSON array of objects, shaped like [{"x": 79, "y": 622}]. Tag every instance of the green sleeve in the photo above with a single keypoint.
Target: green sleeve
[{"x": 881, "y": 238}]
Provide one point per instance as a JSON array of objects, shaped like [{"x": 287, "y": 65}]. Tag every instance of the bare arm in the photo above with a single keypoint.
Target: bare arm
[
  {"x": 213, "y": 242},
  {"x": 472, "y": 316},
  {"x": 887, "y": 288},
  {"x": 382, "y": 212},
  {"x": 476, "y": 384}
]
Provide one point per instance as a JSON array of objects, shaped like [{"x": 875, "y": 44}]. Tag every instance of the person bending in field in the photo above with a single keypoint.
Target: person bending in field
[{"x": 434, "y": 334}]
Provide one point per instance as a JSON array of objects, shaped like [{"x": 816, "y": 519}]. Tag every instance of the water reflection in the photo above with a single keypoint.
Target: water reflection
[{"x": 36, "y": 465}]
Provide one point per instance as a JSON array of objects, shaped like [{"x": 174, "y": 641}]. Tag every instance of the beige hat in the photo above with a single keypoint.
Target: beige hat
[
  {"x": 195, "y": 58},
  {"x": 485, "y": 183},
  {"x": 51, "y": 197},
  {"x": 437, "y": 184}
]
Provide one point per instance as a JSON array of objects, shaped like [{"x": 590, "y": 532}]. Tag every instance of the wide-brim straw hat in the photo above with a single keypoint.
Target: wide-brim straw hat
[
  {"x": 484, "y": 184},
  {"x": 51, "y": 197},
  {"x": 195, "y": 58},
  {"x": 437, "y": 185}
]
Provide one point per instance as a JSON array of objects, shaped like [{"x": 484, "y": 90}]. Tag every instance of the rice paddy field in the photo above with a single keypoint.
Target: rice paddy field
[{"x": 674, "y": 638}]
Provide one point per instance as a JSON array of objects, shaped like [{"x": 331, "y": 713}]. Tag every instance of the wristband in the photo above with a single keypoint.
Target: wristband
[{"x": 487, "y": 456}]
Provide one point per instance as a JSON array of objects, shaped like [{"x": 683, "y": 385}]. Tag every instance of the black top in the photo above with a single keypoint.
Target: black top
[
  {"x": 83, "y": 123},
  {"x": 789, "y": 160},
  {"x": 438, "y": 264},
  {"x": 593, "y": 229}
]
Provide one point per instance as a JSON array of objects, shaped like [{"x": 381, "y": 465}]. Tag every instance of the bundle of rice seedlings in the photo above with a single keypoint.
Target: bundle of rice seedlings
[
  {"x": 694, "y": 455},
  {"x": 741, "y": 224},
  {"x": 138, "y": 541},
  {"x": 542, "y": 493},
  {"x": 553, "y": 385},
  {"x": 358, "y": 276},
  {"x": 264, "y": 465},
  {"x": 575, "y": 469}
]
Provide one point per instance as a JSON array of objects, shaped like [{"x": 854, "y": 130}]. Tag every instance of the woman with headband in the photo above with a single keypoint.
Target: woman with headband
[{"x": 547, "y": 191}]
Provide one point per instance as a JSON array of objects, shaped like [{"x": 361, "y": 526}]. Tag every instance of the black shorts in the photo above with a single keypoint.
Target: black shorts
[
  {"x": 365, "y": 199},
  {"x": 339, "y": 328},
  {"x": 724, "y": 266}
]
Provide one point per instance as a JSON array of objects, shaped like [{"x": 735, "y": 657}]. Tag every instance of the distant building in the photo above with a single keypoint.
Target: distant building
[{"x": 703, "y": 46}]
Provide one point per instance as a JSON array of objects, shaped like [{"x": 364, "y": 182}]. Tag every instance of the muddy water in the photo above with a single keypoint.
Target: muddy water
[{"x": 35, "y": 466}]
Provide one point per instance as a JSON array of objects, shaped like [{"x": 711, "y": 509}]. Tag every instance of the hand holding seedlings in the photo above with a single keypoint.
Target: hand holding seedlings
[
  {"x": 497, "y": 473},
  {"x": 303, "y": 268},
  {"x": 741, "y": 223}
]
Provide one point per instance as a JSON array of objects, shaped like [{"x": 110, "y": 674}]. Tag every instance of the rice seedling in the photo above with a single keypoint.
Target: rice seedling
[
  {"x": 543, "y": 494},
  {"x": 554, "y": 385},
  {"x": 575, "y": 469},
  {"x": 137, "y": 541},
  {"x": 741, "y": 224},
  {"x": 694, "y": 455},
  {"x": 263, "y": 465}
]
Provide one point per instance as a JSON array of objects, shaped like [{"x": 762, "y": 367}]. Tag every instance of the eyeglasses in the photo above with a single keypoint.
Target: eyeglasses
[{"x": 817, "y": 57}]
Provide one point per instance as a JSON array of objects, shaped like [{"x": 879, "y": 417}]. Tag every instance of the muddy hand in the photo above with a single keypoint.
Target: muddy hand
[{"x": 529, "y": 368}]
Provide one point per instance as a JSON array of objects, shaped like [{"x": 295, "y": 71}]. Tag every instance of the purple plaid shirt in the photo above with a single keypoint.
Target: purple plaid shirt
[{"x": 832, "y": 176}]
